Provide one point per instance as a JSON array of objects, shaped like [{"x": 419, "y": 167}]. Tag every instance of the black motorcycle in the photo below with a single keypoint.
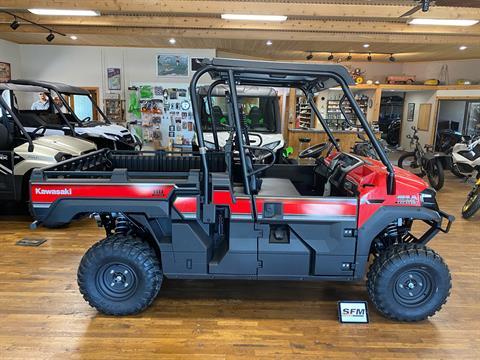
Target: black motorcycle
[{"x": 423, "y": 161}]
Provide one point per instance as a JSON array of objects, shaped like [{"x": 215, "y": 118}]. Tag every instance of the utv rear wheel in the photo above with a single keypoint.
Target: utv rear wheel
[
  {"x": 408, "y": 282},
  {"x": 120, "y": 275}
]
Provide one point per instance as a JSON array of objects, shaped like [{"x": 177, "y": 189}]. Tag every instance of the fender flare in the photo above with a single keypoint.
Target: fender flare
[{"x": 384, "y": 216}]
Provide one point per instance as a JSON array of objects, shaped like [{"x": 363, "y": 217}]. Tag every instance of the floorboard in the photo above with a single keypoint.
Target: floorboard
[{"x": 43, "y": 316}]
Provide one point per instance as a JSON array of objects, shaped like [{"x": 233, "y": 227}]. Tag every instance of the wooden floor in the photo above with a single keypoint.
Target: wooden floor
[{"x": 42, "y": 314}]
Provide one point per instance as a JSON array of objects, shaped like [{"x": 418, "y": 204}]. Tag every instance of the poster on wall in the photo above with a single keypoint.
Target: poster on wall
[
  {"x": 196, "y": 63},
  {"x": 411, "y": 112},
  {"x": 114, "y": 80},
  {"x": 5, "y": 72},
  {"x": 172, "y": 65}
]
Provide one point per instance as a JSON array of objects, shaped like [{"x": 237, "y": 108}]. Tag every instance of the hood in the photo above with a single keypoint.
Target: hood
[
  {"x": 103, "y": 129},
  {"x": 66, "y": 144}
]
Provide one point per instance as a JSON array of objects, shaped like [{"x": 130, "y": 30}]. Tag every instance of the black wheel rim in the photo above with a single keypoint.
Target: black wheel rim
[
  {"x": 413, "y": 287},
  {"x": 116, "y": 281}
]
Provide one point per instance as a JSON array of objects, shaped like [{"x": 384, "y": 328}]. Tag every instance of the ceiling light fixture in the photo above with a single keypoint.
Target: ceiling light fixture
[
  {"x": 369, "y": 57},
  {"x": 253, "y": 17},
  {"x": 463, "y": 47},
  {"x": 309, "y": 56},
  {"x": 366, "y": 45},
  {"x": 443, "y": 22},
  {"x": 330, "y": 58},
  {"x": 269, "y": 43},
  {"x": 50, "y": 37},
  {"x": 73, "y": 37},
  {"x": 64, "y": 12},
  {"x": 392, "y": 58},
  {"x": 172, "y": 41},
  {"x": 15, "y": 24},
  {"x": 349, "y": 57}
]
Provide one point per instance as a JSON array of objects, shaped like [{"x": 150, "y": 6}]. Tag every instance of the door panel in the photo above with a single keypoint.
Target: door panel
[{"x": 321, "y": 232}]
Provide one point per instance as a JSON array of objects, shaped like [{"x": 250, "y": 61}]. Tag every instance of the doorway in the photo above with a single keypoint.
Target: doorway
[{"x": 457, "y": 117}]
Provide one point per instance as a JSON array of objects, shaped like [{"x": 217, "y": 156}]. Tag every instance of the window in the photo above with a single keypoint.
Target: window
[{"x": 260, "y": 113}]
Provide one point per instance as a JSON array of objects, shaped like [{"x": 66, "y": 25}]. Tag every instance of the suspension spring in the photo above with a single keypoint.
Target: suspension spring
[{"x": 122, "y": 225}]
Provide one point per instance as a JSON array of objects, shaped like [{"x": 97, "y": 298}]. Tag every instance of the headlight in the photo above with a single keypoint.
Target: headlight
[
  {"x": 62, "y": 157},
  {"x": 272, "y": 145},
  {"x": 427, "y": 199}
]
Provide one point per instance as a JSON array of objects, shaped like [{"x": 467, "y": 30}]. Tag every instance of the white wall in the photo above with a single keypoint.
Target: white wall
[
  {"x": 10, "y": 53},
  {"x": 87, "y": 65},
  {"x": 417, "y": 97}
]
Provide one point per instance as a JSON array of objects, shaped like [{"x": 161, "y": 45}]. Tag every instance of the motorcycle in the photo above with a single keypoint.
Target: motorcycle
[
  {"x": 393, "y": 133},
  {"x": 473, "y": 201},
  {"x": 423, "y": 161},
  {"x": 446, "y": 140},
  {"x": 466, "y": 157}
]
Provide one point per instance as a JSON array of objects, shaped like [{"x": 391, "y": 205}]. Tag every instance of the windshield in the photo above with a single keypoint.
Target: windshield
[
  {"x": 261, "y": 113},
  {"x": 83, "y": 108}
]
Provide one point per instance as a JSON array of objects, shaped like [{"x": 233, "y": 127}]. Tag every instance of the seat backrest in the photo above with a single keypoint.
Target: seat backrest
[{"x": 255, "y": 115}]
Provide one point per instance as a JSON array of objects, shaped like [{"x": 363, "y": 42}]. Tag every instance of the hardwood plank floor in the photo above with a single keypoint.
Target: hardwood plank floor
[{"x": 42, "y": 314}]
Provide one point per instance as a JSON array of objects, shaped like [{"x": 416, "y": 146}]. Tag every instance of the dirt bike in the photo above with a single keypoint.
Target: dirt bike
[
  {"x": 473, "y": 201},
  {"x": 423, "y": 161}
]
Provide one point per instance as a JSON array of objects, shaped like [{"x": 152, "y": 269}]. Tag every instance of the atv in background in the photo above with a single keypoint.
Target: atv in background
[
  {"x": 65, "y": 119},
  {"x": 21, "y": 151},
  {"x": 260, "y": 113}
]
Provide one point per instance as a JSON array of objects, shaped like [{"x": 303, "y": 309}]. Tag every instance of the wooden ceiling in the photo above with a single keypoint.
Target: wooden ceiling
[{"x": 319, "y": 26}]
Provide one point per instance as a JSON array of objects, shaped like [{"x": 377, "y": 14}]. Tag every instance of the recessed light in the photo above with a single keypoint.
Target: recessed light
[
  {"x": 73, "y": 37},
  {"x": 249, "y": 17},
  {"x": 269, "y": 43},
  {"x": 366, "y": 45},
  {"x": 463, "y": 47},
  {"x": 443, "y": 22},
  {"x": 172, "y": 41},
  {"x": 64, "y": 12}
]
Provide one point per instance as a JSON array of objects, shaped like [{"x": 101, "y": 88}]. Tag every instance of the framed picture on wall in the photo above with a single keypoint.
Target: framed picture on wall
[
  {"x": 5, "y": 72},
  {"x": 411, "y": 112},
  {"x": 114, "y": 79},
  {"x": 172, "y": 65}
]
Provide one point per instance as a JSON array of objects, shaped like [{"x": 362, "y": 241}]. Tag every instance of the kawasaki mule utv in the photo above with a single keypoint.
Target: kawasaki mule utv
[
  {"x": 21, "y": 152},
  {"x": 234, "y": 219},
  {"x": 95, "y": 127}
]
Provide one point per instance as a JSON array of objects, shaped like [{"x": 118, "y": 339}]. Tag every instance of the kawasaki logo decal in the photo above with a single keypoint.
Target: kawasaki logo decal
[{"x": 65, "y": 191}]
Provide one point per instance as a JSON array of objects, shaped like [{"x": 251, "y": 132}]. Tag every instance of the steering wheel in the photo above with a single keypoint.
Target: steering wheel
[
  {"x": 88, "y": 118},
  {"x": 313, "y": 151},
  {"x": 42, "y": 128}
]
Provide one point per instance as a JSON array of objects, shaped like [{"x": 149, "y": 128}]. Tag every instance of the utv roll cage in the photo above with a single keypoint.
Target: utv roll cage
[
  {"x": 309, "y": 78},
  {"x": 65, "y": 89},
  {"x": 12, "y": 87}
]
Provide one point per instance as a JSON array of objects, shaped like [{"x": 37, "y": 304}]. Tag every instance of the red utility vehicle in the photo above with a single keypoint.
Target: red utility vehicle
[{"x": 221, "y": 215}]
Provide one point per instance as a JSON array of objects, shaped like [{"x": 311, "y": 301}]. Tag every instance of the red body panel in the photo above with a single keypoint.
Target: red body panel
[{"x": 48, "y": 193}]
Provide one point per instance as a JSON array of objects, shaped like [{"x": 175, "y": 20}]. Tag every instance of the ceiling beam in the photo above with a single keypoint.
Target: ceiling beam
[
  {"x": 292, "y": 8},
  {"x": 259, "y": 35},
  {"x": 216, "y": 23}
]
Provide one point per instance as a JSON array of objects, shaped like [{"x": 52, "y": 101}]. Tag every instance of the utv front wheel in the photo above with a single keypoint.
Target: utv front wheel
[
  {"x": 120, "y": 275},
  {"x": 408, "y": 282}
]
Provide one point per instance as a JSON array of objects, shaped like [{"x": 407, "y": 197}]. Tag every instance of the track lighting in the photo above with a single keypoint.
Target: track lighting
[
  {"x": 309, "y": 56},
  {"x": 392, "y": 58},
  {"x": 369, "y": 58},
  {"x": 15, "y": 24},
  {"x": 349, "y": 57},
  {"x": 50, "y": 37},
  {"x": 330, "y": 58}
]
